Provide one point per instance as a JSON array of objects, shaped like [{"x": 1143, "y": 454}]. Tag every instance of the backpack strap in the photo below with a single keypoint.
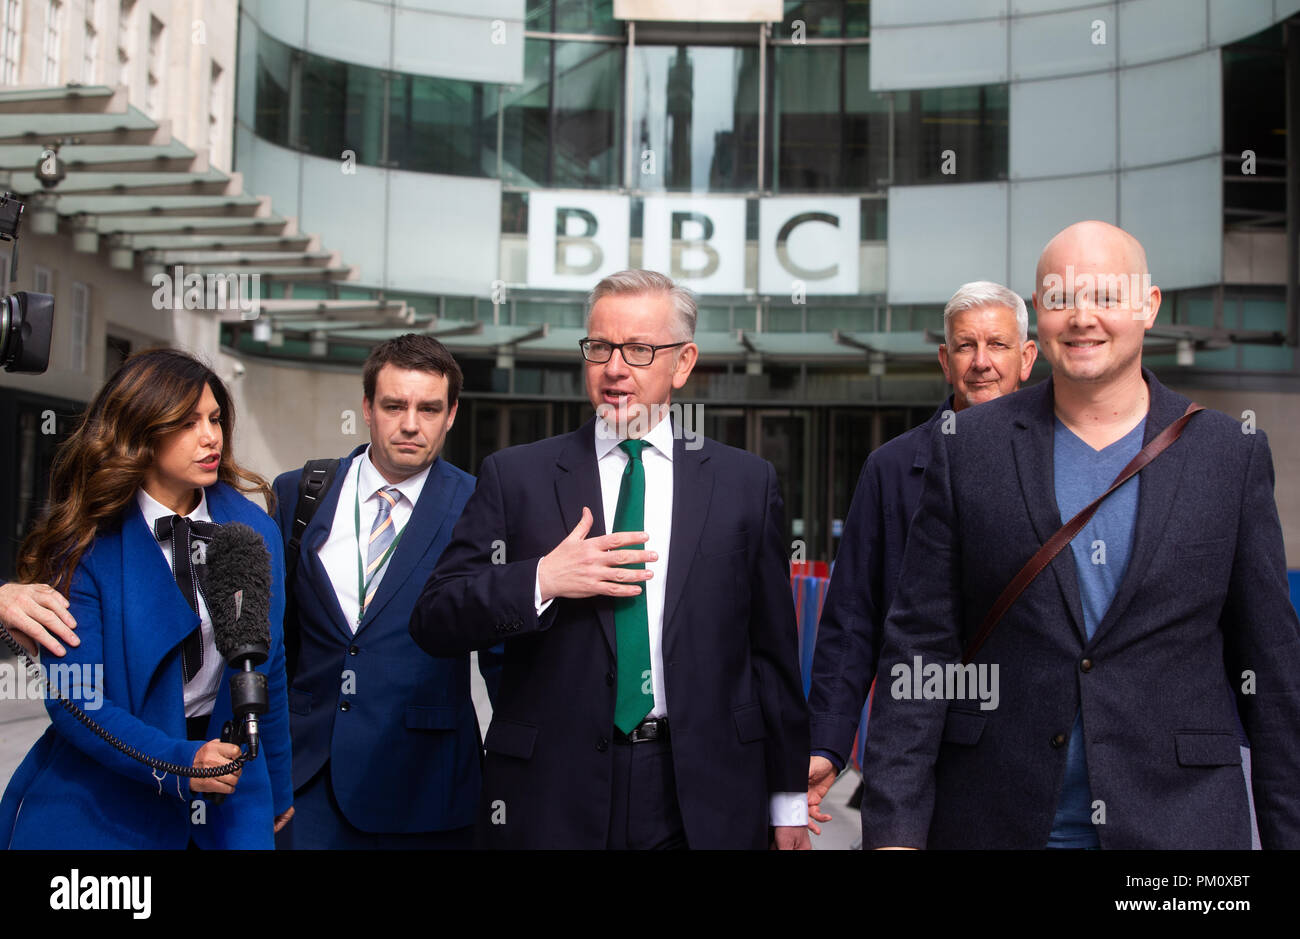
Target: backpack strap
[{"x": 316, "y": 478}]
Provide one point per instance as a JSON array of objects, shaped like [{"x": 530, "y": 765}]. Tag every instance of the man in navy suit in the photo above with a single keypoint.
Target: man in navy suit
[
  {"x": 1118, "y": 677},
  {"x": 650, "y": 696},
  {"x": 386, "y": 746},
  {"x": 987, "y": 353}
]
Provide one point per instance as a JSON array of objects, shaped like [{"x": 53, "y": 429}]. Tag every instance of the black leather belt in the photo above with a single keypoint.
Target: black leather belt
[{"x": 649, "y": 730}]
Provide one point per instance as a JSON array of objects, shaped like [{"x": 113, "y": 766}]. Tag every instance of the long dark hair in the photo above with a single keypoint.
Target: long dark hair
[{"x": 98, "y": 469}]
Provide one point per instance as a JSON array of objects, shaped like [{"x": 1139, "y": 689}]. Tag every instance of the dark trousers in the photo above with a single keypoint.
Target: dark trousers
[
  {"x": 318, "y": 824},
  {"x": 644, "y": 812}
]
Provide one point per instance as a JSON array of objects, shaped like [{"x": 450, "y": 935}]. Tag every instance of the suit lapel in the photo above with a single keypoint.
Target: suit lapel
[
  {"x": 577, "y": 484},
  {"x": 1158, "y": 485},
  {"x": 692, "y": 491},
  {"x": 150, "y": 596},
  {"x": 1033, "y": 446},
  {"x": 310, "y": 568},
  {"x": 421, "y": 530}
]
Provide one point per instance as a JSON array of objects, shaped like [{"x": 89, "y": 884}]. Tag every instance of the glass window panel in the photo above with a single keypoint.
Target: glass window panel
[
  {"x": 696, "y": 121},
  {"x": 1198, "y": 311},
  {"x": 324, "y": 100},
  {"x": 274, "y": 62},
  {"x": 439, "y": 125},
  {"x": 713, "y": 318},
  {"x": 784, "y": 319},
  {"x": 587, "y": 94},
  {"x": 808, "y": 126},
  {"x": 831, "y": 131},
  {"x": 969, "y": 121},
  {"x": 1269, "y": 315},
  {"x": 342, "y": 109},
  {"x": 562, "y": 127},
  {"x": 1254, "y": 83},
  {"x": 822, "y": 319},
  {"x": 827, "y": 18},
  {"x": 514, "y": 213},
  {"x": 526, "y": 132},
  {"x": 593, "y": 17},
  {"x": 458, "y": 308}
]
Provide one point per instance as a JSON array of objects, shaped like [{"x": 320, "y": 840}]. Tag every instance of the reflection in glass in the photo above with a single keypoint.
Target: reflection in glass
[
  {"x": 826, "y": 19},
  {"x": 592, "y": 17},
  {"x": 563, "y": 125},
  {"x": 831, "y": 131},
  {"x": 342, "y": 109},
  {"x": 971, "y": 122},
  {"x": 273, "y": 76},
  {"x": 696, "y": 123},
  {"x": 438, "y": 125}
]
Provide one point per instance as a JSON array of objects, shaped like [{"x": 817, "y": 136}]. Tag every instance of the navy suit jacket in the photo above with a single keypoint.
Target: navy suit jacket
[
  {"x": 862, "y": 586},
  {"x": 75, "y": 791},
  {"x": 735, "y": 700},
  {"x": 1200, "y": 630},
  {"x": 396, "y": 726}
]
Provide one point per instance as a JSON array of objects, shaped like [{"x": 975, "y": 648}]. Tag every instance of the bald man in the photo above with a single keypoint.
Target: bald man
[{"x": 1103, "y": 710}]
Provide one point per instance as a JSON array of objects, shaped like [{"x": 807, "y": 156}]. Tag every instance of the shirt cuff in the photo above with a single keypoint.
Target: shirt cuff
[
  {"x": 788, "y": 809},
  {"x": 537, "y": 593}
]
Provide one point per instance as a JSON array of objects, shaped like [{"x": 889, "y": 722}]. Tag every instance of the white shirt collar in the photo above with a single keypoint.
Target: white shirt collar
[
  {"x": 371, "y": 480},
  {"x": 660, "y": 437},
  {"x": 154, "y": 510}
]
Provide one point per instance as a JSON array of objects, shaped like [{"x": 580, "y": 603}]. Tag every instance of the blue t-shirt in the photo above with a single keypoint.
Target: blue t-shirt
[{"x": 1101, "y": 552}]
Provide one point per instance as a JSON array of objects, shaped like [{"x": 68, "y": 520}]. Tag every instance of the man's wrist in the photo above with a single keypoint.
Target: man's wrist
[{"x": 832, "y": 758}]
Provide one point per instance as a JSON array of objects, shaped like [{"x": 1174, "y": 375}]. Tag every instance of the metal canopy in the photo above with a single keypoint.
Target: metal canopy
[{"x": 153, "y": 205}]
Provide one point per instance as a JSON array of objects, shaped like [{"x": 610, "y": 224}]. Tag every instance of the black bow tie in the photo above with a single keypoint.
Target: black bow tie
[{"x": 189, "y": 572}]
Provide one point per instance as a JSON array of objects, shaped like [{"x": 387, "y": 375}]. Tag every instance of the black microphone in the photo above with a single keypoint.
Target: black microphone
[{"x": 238, "y": 594}]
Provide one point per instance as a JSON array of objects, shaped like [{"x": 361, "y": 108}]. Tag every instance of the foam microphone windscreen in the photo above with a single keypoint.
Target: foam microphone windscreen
[{"x": 238, "y": 592}]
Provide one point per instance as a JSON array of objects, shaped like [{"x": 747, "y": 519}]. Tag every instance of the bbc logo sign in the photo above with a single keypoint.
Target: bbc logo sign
[{"x": 575, "y": 239}]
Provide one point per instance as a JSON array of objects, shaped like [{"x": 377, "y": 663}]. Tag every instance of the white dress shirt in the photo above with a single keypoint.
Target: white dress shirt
[
  {"x": 341, "y": 550},
  {"x": 785, "y": 808},
  {"x": 201, "y": 691}
]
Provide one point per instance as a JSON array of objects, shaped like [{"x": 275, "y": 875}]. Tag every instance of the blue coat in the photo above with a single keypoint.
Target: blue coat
[
  {"x": 862, "y": 586},
  {"x": 405, "y": 756},
  {"x": 73, "y": 790},
  {"x": 735, "y": 700},
  {"x": 1200, "y": 630}
]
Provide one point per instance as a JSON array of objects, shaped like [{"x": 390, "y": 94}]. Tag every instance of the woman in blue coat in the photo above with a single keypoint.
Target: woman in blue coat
[{"x": 154, "y": 445}]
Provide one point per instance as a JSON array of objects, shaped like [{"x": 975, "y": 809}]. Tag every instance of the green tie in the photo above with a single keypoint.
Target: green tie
[{"x": 631, "y": 619}]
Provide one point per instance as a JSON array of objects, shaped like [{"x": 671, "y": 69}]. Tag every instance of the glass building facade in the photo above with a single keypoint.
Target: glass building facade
[{"x": 957, "y": 165}]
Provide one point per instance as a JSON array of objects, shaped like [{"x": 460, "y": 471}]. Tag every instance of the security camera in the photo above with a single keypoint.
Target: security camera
[{"x": 239, "y": 369}]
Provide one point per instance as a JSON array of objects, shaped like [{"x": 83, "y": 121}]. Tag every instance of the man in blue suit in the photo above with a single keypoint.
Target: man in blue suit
[
  {"x": 650, "y": 696},
  {"x": 987, "y": 353},
  {"x": 1119, "y": 675},
  {"x": 386, "y": 746}
]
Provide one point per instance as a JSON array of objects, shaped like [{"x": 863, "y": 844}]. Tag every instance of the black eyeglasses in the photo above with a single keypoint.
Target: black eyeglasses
[{"x": 634, "y": 353}]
